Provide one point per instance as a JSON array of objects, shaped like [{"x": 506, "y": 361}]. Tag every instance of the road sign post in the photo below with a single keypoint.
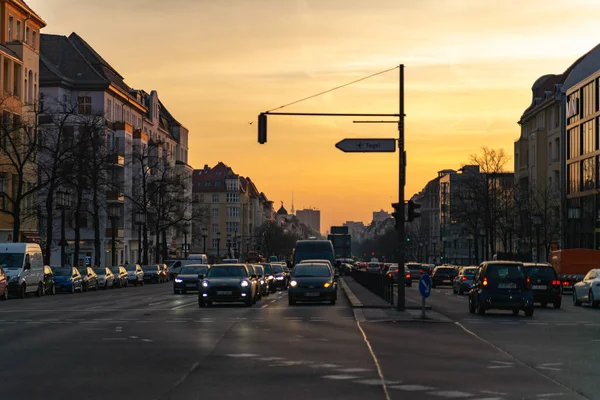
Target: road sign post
[
  {"x": 367, "y": 145},
  {"x": 425, "y": 290}
]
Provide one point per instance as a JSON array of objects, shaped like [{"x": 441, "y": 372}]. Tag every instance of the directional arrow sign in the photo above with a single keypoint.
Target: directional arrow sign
[{"x": 367, "y": 145}]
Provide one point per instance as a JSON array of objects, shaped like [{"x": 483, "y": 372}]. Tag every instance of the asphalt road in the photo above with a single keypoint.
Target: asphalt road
[
  {"x": 563, "y": 344},
  {"x": 147, "y": 343}
]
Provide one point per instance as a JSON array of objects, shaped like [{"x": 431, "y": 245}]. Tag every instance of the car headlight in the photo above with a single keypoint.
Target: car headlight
[
  {"x": 178, "y": 280},
  {"x": 262, "y": 281},
  {"x": 293, "y": 283},
  {"x": 14, "y": 278},
  {"x": 244, "y": 284},
  {"x": 270, "y": 277},
  {"x": 204, "y": 283},
  {"x": 279, "y": 278},
  {"x": 327, "y": 284}
]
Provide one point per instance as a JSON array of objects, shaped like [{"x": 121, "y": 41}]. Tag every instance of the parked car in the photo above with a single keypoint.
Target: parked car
[
  {"x": 90, "y": 278},
  {"x": 164, "y": 271},
  {"x": 135, "y": 274},
  {"x": 255, "y": 278},
  {"x": 443, "y": 276},
  {"x": 464, "y": 280},
  {"x": 501, "y": 285},
  {"x": 312, "y": 283},
  {"x": 264, "y": 282},
  {"x": 545, "y": 284},
  {"x": 588, "y": 290},
  {"x": 68, "y": 279},
  {"x": 228, "y": 283},
  {"x": 49, "y": 287},
  {"x": 3, "y": 285},
  {"x": 152, "y": 273},
  {"x": 105, "y": 277},
  {"x": 120, "y": 276},
  {"x": 24, "y": 268},
  {"x": 187, "y": 279}
]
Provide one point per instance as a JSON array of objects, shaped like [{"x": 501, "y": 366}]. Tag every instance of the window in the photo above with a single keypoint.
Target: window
[
  {"x": 11, "y": 34},
  {"x": 84, "y": 105},
  {"x": 589, "y": 137},
  {"x": 232, "y": 227},
  {"x": 109, "y": 109},
  {"x": 215, "y": 198},
  {"x": 215, "y": 243},
  {"x": 217, "y": 183},
  {"x": 573, "y": 178},
  {"x": 232, "y": 185},
  {"x": 34, "y": 39},
  {"x": 574, "y": 137},
  {"x": 589, "y": 174},
  {"x": 540, "y": 120},
  {"x": 207, "y": 184},
  {"x": 219, "y": 173},
  {"x": 589, "y": 100},
  {"x": 556, "y": 116},
  {"x": 215, "y": 228},
  {"x": 556, "y": 154},
  {"x": 233, "y": 197},
  {"x": 201, "y": 198},
  {"x": 27, "y": 34},
  {"x": 215, "y": 212},
  {"x": 233, "y": 212},
  {"x": 18, "y": 30}
]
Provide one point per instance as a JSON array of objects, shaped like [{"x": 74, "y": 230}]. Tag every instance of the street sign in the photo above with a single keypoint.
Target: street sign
[
  {"x": 367, "y": 145},
  {"x": 425, "y": 286}
]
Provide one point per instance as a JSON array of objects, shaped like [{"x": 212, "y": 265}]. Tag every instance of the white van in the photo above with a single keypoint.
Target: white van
[
  {"x": 24, "y": 268},
  {"x": 201, "y": 258}
]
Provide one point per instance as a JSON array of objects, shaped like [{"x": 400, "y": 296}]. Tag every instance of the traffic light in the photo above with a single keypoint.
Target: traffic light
[
  {"x": 412, "y": 210},
  {"x": 408, "y": 238},
  {"x": 398, "y": 214},
  {"x": 262, "y": 128}
]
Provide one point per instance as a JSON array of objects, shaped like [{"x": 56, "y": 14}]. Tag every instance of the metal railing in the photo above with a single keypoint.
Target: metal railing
[{"x": 380, "y": 284}]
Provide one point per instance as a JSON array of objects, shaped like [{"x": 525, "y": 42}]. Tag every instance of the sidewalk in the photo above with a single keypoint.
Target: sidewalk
[{"x": 369, "y": 307}]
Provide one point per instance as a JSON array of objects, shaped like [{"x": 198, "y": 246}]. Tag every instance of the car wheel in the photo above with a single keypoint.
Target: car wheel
[
  {"x": 557, "y": 304},
  {"x": 96, "y": 287},
  {"x": 40, "y": 291},
  {"x": 23, "y": 293},
  {"x": 175, "y": 291},
  {"x": 480, "y": 308},
  {"x": 72, "y": 288},
  {"x": 135, "y": 283},
  {"x": 544, "y": 304},
  {"x": 471, "y": 306},
  {"x": 453, "y": 290},
  {"x": 409, "y": 284},
  {"x": 141, "y": 283},
  {"x": 332, "y": 302},
  {"x": 576, "y": 301},
  {"x": 515, "y": 311},
  {"x": 249, "y": 301},
  {"x": 291, "y": 301},
  {"x": 460, "y": 292},
  {"x": 209, "y": 304},
  {"x": 201, "y": 303},
  {"x": 84, "y": 288},
  {"x": 529, "y": 312},
  {"x": 433, "y": 285},
  {"x": 593, "y": 302},
  {"x": 5, "y": 295},
  {"x": 53, "y": 290},
  {"x": 183, "y": 291}
]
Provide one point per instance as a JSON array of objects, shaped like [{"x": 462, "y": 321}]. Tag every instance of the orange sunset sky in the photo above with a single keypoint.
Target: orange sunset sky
[{"x": 470, "y": 65}]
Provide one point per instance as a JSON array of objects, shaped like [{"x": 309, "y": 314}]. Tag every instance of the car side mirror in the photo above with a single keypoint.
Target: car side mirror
[
  {"x": 27, "y": 266},
  {"x": 253, "y": 276},
  {"x": 200, "y": 276}
]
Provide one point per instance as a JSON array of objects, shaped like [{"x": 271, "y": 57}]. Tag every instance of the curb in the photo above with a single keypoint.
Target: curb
[{"x": 359, "y": 315}]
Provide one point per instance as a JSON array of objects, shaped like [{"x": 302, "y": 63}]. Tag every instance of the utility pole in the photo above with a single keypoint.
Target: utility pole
[{"x": 401, "y": 183}]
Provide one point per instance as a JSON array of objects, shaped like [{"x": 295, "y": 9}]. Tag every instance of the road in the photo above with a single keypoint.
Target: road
[
  {"x": 562, "y": 344},
  {"x": 147, "y": 343}
]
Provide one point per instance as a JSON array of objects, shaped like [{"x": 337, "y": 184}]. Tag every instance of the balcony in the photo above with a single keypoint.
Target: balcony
[
  {"x": 116, "y": 160},
  {"x": 115, "y": 196},
  {"x": 119, "y": 233},
  {"x": 122, "y": 126}
]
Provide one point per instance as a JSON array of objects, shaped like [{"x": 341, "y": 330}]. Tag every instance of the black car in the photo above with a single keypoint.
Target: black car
[
  {"x": 545, "y": 285},
  {"x": 90, "y": 278},
  {"x": 228, "y": 283},
  {"x": 49, "y": 287},
  {"x": 152, "y": 273},
  {"x": 501, "y": 285},
  {"x": 269, "y": 276},
  {"x": 279, "y": 279},
  {"x": 120, "y": 276},
  {"x": 264, "y": 283},
  {"x": 464, "y": 280},
  {"x": 442, "y": 276},
  {"x": 407, "y": 277},
  {"x": 187, "y": 279},
  {"x": 254, "y": 276},
  {"x": 312, "y": 283}
]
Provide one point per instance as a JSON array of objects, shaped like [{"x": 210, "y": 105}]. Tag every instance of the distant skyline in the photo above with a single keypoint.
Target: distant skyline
[{"x": 470, "y": 65}]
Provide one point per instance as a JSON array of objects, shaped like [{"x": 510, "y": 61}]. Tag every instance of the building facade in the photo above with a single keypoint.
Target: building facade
[
  {"x": 356, "y": 229},
  {"x": 19, "y": 79},
  {"x": 380, "y": 216},
  {"x": 311, "y": 218}
]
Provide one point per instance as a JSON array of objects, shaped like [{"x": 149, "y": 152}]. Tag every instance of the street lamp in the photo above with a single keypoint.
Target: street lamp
[
  {"x": 218, "y": 245},
  {"x": 114, "y": 213},
  {"x": 470, "y": 240},
  {"x": 184, "y": 230},
  {"x": 482, "y": 235},
  {"x": 229, "y": 245},
  {"x": 235, "y": 245},
  {"x": 63, "y": 203},
  {"x": 140, "y": 219},
  {"x": 537, "y": 222},
  {"x": 204, "y": 236}
]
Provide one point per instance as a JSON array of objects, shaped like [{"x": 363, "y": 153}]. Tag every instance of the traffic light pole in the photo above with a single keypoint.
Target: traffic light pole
[{"x": 401, "y": 183}]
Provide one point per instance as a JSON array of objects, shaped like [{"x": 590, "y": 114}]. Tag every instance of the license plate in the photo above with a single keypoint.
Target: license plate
[
  {"x": 190, "y": 285},
  {"x": 538, "y": 287},
  {"x": 311, "y": 294},
  {"x": 507, "y": 286},
  {"x": 224, "y": 293},
  {"x": 447, "y": 281}
]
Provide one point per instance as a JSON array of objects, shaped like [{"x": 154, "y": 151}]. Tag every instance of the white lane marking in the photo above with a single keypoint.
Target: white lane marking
[
  {"x": 565, "y": 324},
  {"x": 291, "y": 363},
  {"x": 592, "y": 325},
  {"x": 323, "y": 340},
  {"x": 375, "y": 382},
  {"x": 549, "y": 366},
  {"x": 243, "y": 355},
  {"x": 119, "y": 329},
  {"x": 61, "y": 322},
  {"x": 27, "y": 320},
  {"x": 102, "y": 319},
  {"x": 266, "y": 305},
  {"x": 492, "y": 392},
  {"x": 175, "y": 322},
  {"x": 354, "y": 370},
  {"x": 341, "y": 377},
  {"x": 146, "y": 340},
  {"x": 204, "y": 321},
  {"x": 412, "y": 388},
  {"x": 93, "y": 308},
  {"x": 187, "y": 374},
  {"x": 379, "y": 372},
  {"x": 157, "y": 303},
  {"x": 325, "y": 366},
  {"x": 133, "y": 337},
  {"x": 595, "y": 340},
  {"x": 34, "y": 322},
  {"x": 89, "y": 322},
  {"x": 451, "y": 394},
  {"x": 549, "y": 395},
  {"x": 271, "y": 358}
]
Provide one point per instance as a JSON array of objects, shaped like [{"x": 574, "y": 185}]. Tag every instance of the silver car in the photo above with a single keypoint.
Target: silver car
[
  {"x": 105, "y": 278},
  {"x": 135, "y": 274}
]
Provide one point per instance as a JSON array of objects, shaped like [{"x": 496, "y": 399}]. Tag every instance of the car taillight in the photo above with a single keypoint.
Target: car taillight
[
  {"x": 390, "y": 275},
  {"x": 527, "y": 282},
  {"x": 485, "y": 282},
  {"x": 464, "y": 278},
  {"x": 555, "y": 282},
  {"x": 408, "y": 275},
  {"x": 565, "y": 283},
  {"x": 421, "y": 271}
]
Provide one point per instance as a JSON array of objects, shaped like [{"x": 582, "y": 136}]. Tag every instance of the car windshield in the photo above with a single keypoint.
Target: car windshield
[
  {"x": 469, "y": 271},
  {"x": 541, "y": 272},
  {"x": 268, "y": 269},
  {"x": 393, "y": 269},
  {"x": 278, "y": 269},
  {"x": 130, "y": 268},
  {"x": 83, "y": 271},
  {"x": 313, "y": 251},
  {"x": 194, "y": 270},
  {"x": 62, "y": 271},
  {"x": 414, "y": 267},
  {"x": 260, "y": 270},
  {"x": 501, "y": 272},
  {"x": 234, "y": 271},
  {"x": 115, "y": 270},
  {"x": 100, "y": 271},
  {"x": 11, "y": 260},
  {"x": 308, "y": 271},
  {"x": 150, "y": 268},
  {"x": 445, "y": 270}
]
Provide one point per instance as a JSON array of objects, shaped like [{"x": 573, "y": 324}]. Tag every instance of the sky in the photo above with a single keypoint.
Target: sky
[{"x": 469, "y": 68}]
